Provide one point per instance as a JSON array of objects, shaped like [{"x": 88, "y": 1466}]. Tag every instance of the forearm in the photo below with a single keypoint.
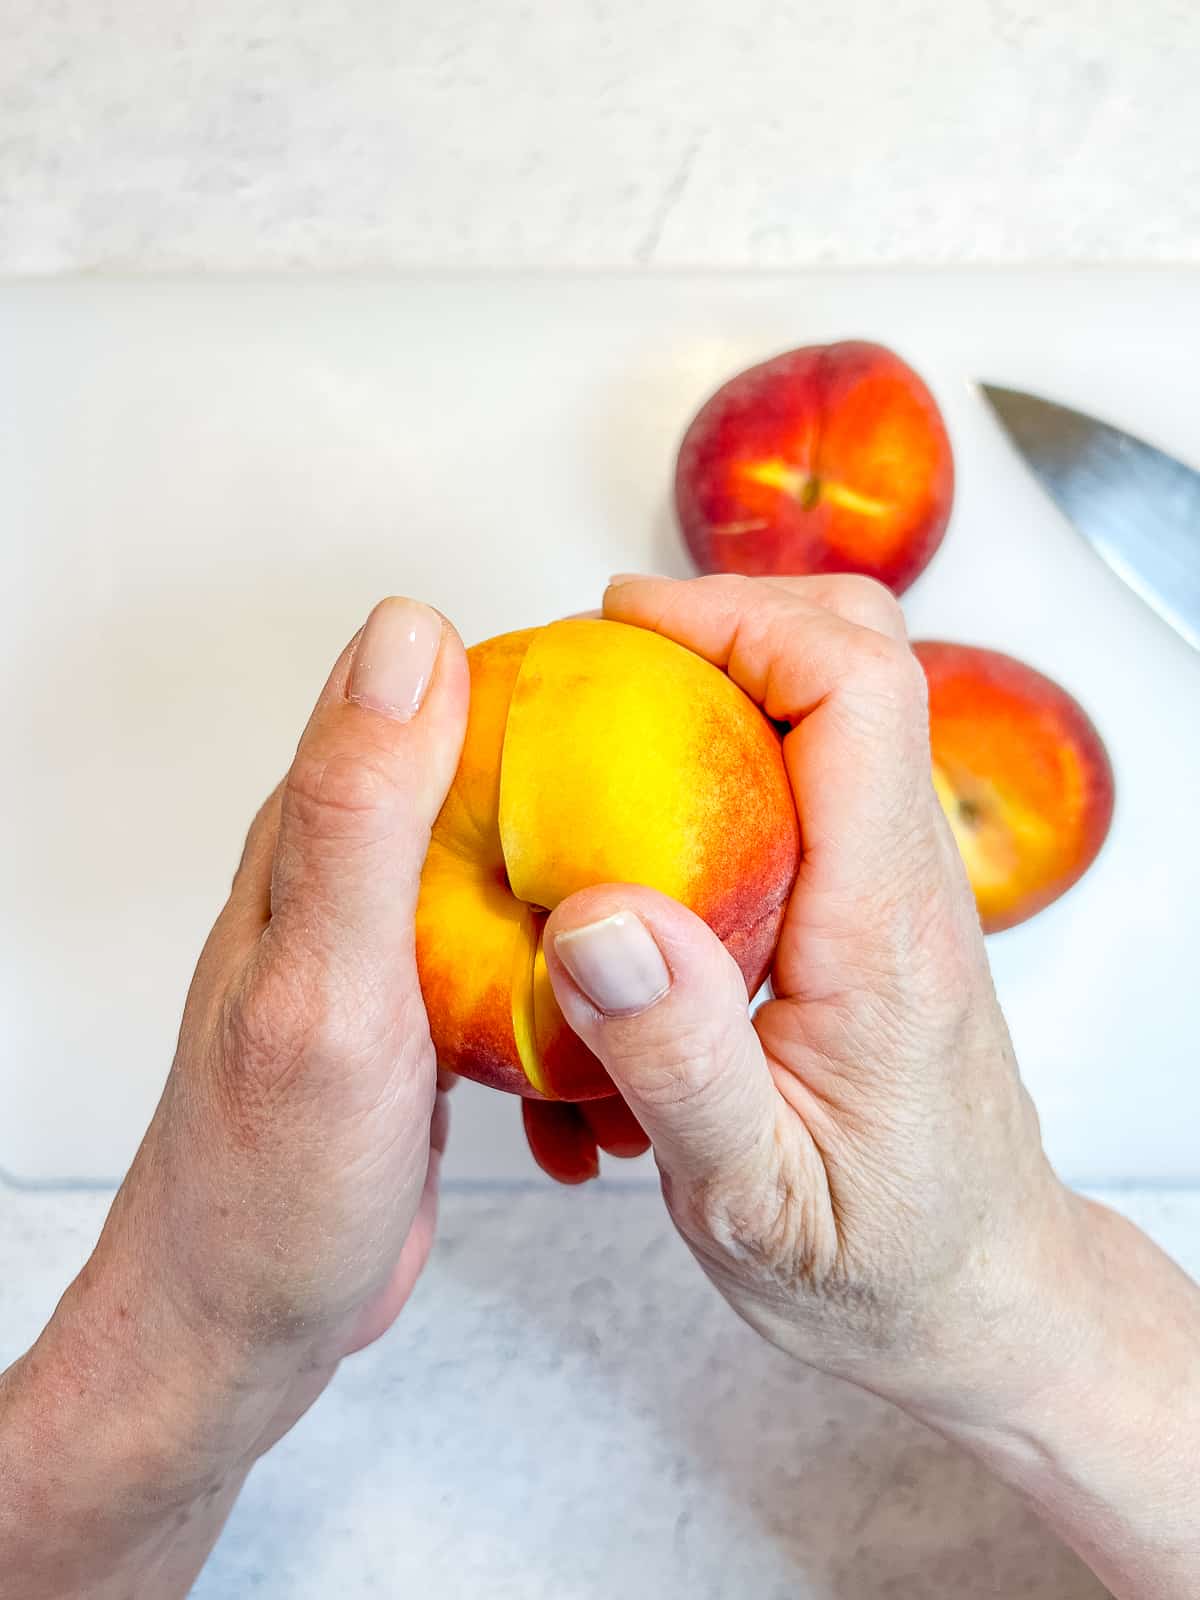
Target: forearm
[
  {"x": 96, "y": 1498},
  {"x": 123, "y": 1445},
  {"x": 1104, "y": 1438},
  {"x": 80, "y": 1515}
]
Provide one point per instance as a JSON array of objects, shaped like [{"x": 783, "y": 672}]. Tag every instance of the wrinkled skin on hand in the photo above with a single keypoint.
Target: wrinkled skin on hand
[
  {"x": 283, "y": 1200},
  {"x": 857, "y": 1168}
]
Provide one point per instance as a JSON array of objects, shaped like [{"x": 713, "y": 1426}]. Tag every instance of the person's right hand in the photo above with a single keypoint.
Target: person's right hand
[{"x": 858, "y": 1167}]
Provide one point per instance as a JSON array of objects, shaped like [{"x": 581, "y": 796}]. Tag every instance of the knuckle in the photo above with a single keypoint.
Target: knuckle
[
  {"x": 764, "y": 1228},
  {"x": 268, "y": 1029},
  {"x": 671, "y": 1080},
  {"x": 275, "y": 1030},
  {"x": 734, "y": 590},
  {"x": 887, "y": 668},
  {"x": 677, "y": 1065},
  {"x": 292, "y": 1021},
  {"x": 869, "y": 602},
  {"x": 768, "y": 1231},
  {"x": 724, "y": 583},
  {"x": 337, "y": 794}
]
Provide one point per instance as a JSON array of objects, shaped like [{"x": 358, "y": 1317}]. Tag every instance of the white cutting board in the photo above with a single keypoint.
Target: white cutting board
[{"x": 205, "y": 485}]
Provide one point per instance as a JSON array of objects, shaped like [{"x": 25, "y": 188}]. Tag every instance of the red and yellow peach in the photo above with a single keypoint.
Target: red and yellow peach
[
  {"x": 831, "y": 458},
  {"x": 1022, "y": 775},
  {"x": 595, "y": 752}
]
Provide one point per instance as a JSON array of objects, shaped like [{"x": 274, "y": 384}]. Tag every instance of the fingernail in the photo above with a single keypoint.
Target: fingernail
[
  {"x": 615, "y": 962},
  {"x": 395, "y": 658}
]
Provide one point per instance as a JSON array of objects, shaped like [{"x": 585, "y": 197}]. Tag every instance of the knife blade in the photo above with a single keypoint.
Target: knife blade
[{"x": 1136, "y": 506}]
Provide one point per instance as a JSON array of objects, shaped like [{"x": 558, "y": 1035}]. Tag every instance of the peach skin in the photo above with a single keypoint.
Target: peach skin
[
  {"x": 1022, "y": 776},
  {"x": 831, "y": 458},
  {"x": 595, "y": 752}
]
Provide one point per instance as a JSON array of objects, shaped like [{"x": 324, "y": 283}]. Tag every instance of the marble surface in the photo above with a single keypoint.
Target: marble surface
[
  {"x": 151, "y": 135},
  {"x": 566, "y": 1411}
]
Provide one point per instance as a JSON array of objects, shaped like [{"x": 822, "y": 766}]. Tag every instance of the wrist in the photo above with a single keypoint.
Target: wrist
[
  {"x": 177, "y": 1335},
  {"x": 1094, "y": 1414},
  {"x": 136, "y": 1417},
  {"x": 99, "y": 1488},
  {"x": 187, "y": 1396},
  {"x": 136, "y": 1434},
  {"x": 1019, "y": 1320},
  {"x": 1089, "y": 1301},
  {"x": 979, "y": 1343},
  {"x": 159, "y": 1406}
]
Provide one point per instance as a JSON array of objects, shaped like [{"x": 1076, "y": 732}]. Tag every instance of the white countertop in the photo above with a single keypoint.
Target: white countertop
[
  {"x": 566, "y": 1411},
  {"x": 320, "y": 134}
]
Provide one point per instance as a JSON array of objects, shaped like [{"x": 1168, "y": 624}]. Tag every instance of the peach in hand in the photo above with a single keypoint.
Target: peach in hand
[
  {"x": 832, "y": 458},
  {"x": 595, "y": 752},
  {"x": 1022, "y": 775}
]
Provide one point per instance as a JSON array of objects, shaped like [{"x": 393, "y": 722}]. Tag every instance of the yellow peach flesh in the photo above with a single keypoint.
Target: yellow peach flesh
[{"x": 595, "y": 753}]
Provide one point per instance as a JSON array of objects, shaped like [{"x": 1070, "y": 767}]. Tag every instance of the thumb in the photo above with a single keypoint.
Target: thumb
[
  {"x": 369, "y": 776},
  {"x": 651, "y": 990}
]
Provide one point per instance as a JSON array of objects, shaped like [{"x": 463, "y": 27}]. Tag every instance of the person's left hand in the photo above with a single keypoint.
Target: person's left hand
[
  {"x": 286, "y": 1189},
  {"x": 282, "y": 1202}
]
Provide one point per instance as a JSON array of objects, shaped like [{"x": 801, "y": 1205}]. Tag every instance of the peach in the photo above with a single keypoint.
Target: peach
[
  {"x": 832, "y": 458},
  {"x": 1022, "y": 775},
  {"x": 595, "y": 752}
]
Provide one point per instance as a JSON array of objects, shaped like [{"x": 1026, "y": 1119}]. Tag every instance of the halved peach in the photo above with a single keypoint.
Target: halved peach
[
  {"x": 595, "y": 753},
  {"x": 1022, "y": 775}
]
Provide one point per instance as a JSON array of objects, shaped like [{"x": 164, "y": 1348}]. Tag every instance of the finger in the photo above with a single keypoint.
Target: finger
[
  {"x": 247, "y": 911},
  {"x": 654, "y": 994},
  {"x": 439, "y": 1125},
  {"x": 560, "y": 1140},
  {"x": 787, "y": 652},
  {"x": 858, "y": 751},
  {"x": 369, "y": 776},
  {"x": 847, "y": 594},
  {"x": 383, "y": 1310},
  {"x": 615, "y": 1128},
  {"x": 251, "y": 890}
]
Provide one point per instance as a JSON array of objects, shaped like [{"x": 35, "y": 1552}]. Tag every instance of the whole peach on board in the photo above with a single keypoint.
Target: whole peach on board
[
  {"x": 832, "y": 458},
  {"x": 595, "y": 752},
  {"x": 1022, "y": 775}
]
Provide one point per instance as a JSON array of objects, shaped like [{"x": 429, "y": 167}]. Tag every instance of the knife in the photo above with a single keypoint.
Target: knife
[{"x": 1137, "y": 507}]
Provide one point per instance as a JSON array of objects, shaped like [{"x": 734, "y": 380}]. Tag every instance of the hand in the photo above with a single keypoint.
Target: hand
[
  {"x": 792, "y": 1146},
  {"x": 282, "y": 1203},
  {"x": 858, "y": 1168}
]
